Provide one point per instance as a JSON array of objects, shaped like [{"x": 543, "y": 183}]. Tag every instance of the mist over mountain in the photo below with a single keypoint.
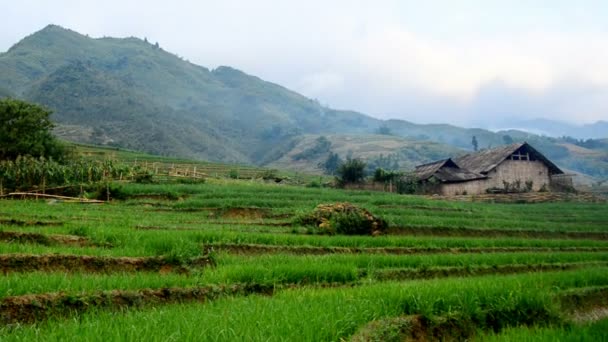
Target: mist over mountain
[
  {"x": 554, "y": 128},
  {"x": 131, "y": 93}
]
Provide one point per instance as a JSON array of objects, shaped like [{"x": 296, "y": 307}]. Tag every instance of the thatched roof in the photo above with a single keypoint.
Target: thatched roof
[
  {"x": 445, "y": 171},
  {"x": 487, "y": 160}
]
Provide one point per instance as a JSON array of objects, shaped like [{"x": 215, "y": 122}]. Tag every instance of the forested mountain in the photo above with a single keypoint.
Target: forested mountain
[{"x": 131, "y": 93}]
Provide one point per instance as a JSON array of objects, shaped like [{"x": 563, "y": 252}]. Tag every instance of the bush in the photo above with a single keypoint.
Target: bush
[
  {"x": 26, "y": 129},
  {"x": 343, "y": 218},
  {"x": 234, "y": 174},
  {"x": 383, "y": 176},
  {"x": 351, "y": 171},
  {"x": 111, "y": 190},
  {"x": 144, "y": 178}
]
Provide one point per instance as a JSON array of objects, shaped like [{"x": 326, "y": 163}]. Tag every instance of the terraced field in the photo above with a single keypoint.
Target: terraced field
[{"x": 225, "y": 261}]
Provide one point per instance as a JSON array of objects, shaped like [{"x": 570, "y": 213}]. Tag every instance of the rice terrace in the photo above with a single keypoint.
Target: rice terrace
[
  {"x": 228, "y": 259},
  {"x": 358, "y": 171}
]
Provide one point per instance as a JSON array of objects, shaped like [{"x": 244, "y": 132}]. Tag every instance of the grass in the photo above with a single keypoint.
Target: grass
[
  {"x": 312, "y": 314},
  {"x": 593, "y": 331},
  {"x": 182, "y": 221},
  {"x": 277, "y": 270}
]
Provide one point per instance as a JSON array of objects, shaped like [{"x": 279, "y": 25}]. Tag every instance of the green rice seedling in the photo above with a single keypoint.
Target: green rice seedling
[
  {"x": 313, "y": 314},
  {"x": 591, "y": 332}
]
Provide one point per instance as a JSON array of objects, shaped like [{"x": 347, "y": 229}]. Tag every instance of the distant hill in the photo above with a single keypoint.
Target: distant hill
[
  {"x": 553, "y": 128},
  {"x": 388, "y": 152},
  {"x": 133, "y": 94},
  {"x": 5, "y": 93}
]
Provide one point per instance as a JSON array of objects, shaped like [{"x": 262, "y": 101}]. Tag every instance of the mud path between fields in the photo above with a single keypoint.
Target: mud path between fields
[
  {"x": 12, "y": 263},
  {"x": 34, "y": 308},
  {"x": 252, "y": 249},
  {"x": 38, "y": 307},
  {"x": 587, "y": 305},
  {"x": 47, "y": 240},
  {"x": 445, "y": 272},
  {"x": 471, "y": 232},
  {"x": 22, "y": 223}
]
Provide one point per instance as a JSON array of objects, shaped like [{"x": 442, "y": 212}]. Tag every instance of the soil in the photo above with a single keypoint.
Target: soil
[
  {"x": 440, "y": 272},
  {"x": 13, "y": 222},
  {"x": 422, "y": 207},
  {"x": 42, "y": 239},
  {"x": 242, "y": 213},
  {"x": 417, "y": 328},
  {"x": 468, "y": 232},
  {"x": 10, "y": 263},
  {"x": 251, "y": 249},
  {"x": 34, "y": 308}
]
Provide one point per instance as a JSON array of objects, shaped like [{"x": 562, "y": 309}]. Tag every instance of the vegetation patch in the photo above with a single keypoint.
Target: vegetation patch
[
  {"x": 78, "y": 263},
  {"x": 344, "y": 218}
]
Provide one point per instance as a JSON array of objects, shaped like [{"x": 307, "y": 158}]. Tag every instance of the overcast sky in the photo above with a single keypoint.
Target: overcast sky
[{"x": 463, "y": 62}]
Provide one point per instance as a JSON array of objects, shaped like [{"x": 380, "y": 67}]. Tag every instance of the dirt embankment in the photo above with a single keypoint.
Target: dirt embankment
[
  {"x": 586, "y": 305},
  {"x": 21, "y": 223},
  {"x": 252, "y": 249},
  {"x": 440, "y": 272},
  {"x": 470, "y": 232},
  {"x": 80, "y": 263},
  {"x": 42, "y": 239},
  {"x": 34, "y": 308},
  {"x": 579, "y": 305}
]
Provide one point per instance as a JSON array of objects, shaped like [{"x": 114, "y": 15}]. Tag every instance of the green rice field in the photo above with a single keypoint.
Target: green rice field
[{"x": 227, "y": 260}]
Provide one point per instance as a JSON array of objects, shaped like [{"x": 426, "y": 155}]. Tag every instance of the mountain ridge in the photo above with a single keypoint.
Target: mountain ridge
[{"x": 130, "y": 93}]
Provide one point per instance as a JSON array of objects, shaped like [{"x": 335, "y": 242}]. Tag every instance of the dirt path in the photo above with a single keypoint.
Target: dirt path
[
  {"x": 81, "y": 263},
  {"x": 20, "y": 237},
  {"x": 253, "y": 249},
  {"x": 34, "y": 308},
  {"x": 472, "y": 232}
]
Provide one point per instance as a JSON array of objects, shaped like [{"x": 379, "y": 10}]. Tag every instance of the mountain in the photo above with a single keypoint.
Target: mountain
[
  {"x": 130, "y": 93},
  {"x": 386, "y": 151},
  {"x": 553, "y": 128}
]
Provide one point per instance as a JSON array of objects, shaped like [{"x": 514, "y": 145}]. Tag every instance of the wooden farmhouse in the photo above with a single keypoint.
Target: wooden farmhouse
[{"x": 512, "y": 168}]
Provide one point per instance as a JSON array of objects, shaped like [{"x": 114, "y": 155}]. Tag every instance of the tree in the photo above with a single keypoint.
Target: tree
[
  {"x": 322, "y": 145},
  {"x": 475, "y": 144},
  {"x": 351, "y": 171},
  {"x": 384, "y": 130},
  {"x": 507, "y": 139},
  {"x": 331, "y": 164},
  {"x": 25, "y": 129}
]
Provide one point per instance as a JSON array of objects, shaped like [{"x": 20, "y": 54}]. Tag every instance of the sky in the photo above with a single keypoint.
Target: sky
[{"x": 485, "y": 63}]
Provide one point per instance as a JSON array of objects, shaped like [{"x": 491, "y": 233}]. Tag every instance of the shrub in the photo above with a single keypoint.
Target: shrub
[
  {"x": 234, "y": 174},
  {"x": 351, "y": 171},
  {"x": 343, "y": 218},
  {"x": 111, "y": 190},
  {"x": 144, "y": 178}
]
